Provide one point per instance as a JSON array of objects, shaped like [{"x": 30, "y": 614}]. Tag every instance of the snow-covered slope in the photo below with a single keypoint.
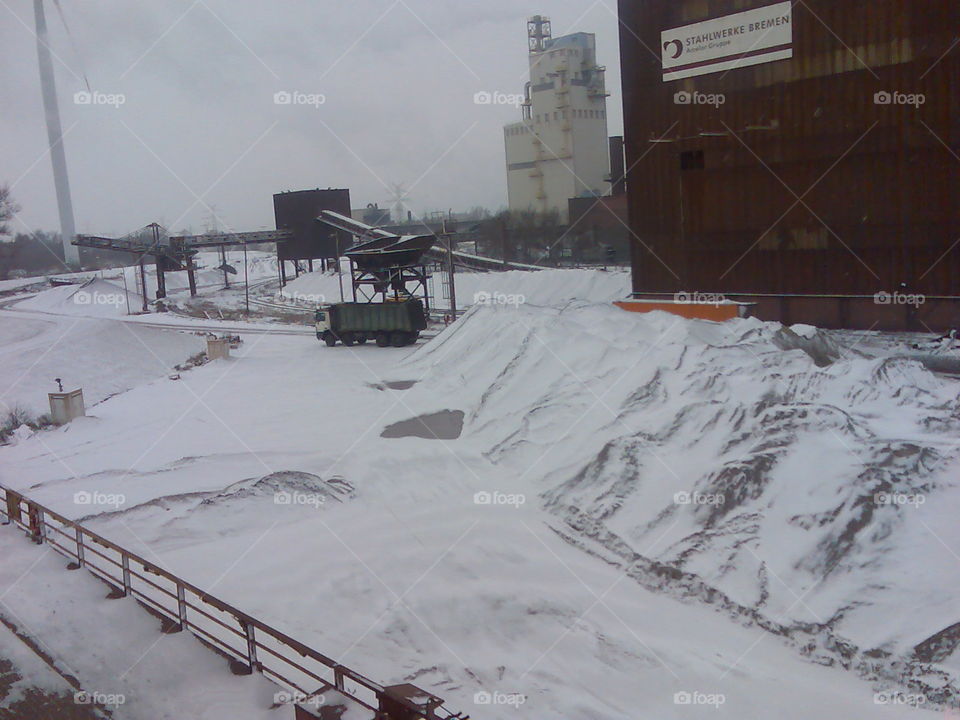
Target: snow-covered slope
[
  {"x": 93, "y": 298},
  {"x": 721, "y": 462},
  {"x": 102, "y": 356}
]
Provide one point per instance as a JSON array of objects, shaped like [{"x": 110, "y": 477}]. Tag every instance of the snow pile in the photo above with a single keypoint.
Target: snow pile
[
  {"x": 94, "y": 298},
  {"x": 743, "y": 464}
]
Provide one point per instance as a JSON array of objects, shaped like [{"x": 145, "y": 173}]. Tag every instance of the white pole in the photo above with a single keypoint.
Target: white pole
[
  {"x": 71, "y": 253},
  {"x": 126, "y": 293}
]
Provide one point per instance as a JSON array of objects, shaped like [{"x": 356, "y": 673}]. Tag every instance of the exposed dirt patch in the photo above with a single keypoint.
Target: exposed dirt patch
[{"x": 443, "y": 425}]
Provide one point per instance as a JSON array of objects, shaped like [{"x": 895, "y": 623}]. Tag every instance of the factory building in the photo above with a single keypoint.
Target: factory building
[
  {"x": 559, "y": 149},
  {"x": 801, "y": 157}
]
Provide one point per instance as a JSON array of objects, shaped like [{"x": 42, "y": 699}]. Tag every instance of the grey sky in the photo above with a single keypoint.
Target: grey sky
[{"x": 199, "y": 118}]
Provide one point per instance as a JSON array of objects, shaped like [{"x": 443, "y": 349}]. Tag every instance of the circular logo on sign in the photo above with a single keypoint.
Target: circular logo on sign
[{"x": 677, "y": 48}]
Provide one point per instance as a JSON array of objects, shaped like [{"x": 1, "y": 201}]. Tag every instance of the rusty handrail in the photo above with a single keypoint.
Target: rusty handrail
[{"x": 38, "y": 525}]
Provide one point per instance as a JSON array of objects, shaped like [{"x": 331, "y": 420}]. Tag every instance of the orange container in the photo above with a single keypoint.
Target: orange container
[{"x": 695, "y": 311}]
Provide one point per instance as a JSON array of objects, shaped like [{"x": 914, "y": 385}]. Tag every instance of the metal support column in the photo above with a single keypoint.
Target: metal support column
[
  {"x": 143, "y": 284},
  {"x": 161, "y": 280},
  {"x": 191, "y": 275}
]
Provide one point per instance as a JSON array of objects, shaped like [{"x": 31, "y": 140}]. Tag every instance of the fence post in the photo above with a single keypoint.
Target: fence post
[
  {"x": 34, "y": 522},
  {"x": 182, "y": 606},
  {"x": 79, "y": 534},
  {"x": 125, "y": 562},
  {"x": 13, "y": 507},
  {"x": 41, "y": 526},
  {"x": 251, "y": 646}
]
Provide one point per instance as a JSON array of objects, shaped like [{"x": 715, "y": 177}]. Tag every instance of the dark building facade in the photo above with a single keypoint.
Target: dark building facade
[
  {"x": 802, "y": 156},
  {"x": 298, "y": 211}
]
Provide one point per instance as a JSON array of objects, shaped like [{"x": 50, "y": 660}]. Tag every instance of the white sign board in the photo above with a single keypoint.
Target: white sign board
[{"x": 753, "y": 37}]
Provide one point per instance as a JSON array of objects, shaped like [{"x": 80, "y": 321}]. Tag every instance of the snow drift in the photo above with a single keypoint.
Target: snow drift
[{"x": 767, "y": 472}]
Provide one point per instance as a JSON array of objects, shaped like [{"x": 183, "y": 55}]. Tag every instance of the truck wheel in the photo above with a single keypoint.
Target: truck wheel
[
  {"x": 347, "y": 339},
  {"x": 329, "y": 339},
  {"x": 412, "y": 337},
  {"x": 398, "y": 339},
  {"x": 362, "y": 340},
  {"x": 383, "y": 339}
]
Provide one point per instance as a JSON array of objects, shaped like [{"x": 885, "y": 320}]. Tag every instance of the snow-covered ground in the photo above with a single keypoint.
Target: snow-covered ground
[
  {"x": 102, "y": 356},
  {"x": 113, "y": 648},
  {"x": 638, "y": 507}
]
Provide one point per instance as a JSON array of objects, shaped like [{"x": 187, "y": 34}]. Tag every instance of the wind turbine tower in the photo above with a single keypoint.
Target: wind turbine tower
[{"x": 51, "y": 109}]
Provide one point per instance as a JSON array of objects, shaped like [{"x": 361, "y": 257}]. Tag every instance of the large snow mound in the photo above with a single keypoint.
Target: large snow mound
[
  {"x": 93, "y": 298},
  {"x": 764, "y": 471}
]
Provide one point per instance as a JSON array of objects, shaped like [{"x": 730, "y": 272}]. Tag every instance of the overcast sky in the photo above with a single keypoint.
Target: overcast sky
[{"x": 199, "y": 125}]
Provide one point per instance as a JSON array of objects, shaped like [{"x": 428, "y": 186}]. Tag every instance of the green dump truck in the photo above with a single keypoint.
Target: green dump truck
[{"x": 389, "y": 323}]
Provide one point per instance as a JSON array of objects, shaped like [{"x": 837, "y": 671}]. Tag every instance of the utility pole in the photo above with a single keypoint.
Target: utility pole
[
  {"x": 246, "y": 280},
  {"x": 126, "y": 292},
  {"x": 143, "y": 283},
  {"x": 340, "y": 269},
  {"x": 450, "y": 272}
]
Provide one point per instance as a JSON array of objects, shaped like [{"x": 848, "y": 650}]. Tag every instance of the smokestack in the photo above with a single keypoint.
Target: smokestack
[{"x": 51, "y": 109}]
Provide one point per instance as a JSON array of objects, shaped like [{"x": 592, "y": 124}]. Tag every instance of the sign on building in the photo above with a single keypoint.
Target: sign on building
[{"x": 748, "y": 38}]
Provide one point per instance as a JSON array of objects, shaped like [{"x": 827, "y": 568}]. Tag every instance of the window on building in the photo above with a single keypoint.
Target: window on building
[{"x": 692, "y": 160}]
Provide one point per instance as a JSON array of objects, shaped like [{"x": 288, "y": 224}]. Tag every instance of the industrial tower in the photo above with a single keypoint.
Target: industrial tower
[{"x": 559, "y": 149}]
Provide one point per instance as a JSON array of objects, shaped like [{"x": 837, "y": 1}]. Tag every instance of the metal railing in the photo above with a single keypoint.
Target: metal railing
[{"x": 257, "y": 646}]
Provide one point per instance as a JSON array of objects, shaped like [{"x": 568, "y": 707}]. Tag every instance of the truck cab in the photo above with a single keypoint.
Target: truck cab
[{"x": 322, "y": 320}]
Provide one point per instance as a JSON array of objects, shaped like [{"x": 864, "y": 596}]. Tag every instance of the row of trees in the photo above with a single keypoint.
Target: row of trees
[
  {"x": 26, "y": 254},
  {"x": 541, "y": 238}
]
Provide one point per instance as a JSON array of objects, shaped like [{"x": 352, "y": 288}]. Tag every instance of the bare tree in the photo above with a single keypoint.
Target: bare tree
[
  {"x": 8, "y": 208},
  {"x": 8, "y": 249}
]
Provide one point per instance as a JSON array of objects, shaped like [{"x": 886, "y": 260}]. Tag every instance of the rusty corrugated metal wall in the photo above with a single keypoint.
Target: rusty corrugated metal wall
[{"x": 800, "y": 183}]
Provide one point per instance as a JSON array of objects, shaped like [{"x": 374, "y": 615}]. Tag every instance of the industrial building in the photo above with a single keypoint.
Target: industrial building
[
  {"x": 559, "y": 148},
  {"x": 801, "y": 157}
]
